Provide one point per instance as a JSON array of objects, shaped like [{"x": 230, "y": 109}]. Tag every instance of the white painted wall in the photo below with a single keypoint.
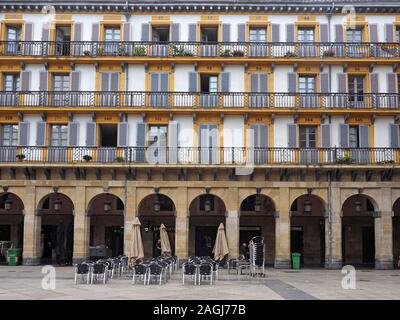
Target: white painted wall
[
  {"x": 281, "y": 130},
  {"x": 381, "y": 131}
]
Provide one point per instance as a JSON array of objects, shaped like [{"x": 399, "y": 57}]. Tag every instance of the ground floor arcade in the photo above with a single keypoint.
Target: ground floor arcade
[{"x": 329, "y": 223}]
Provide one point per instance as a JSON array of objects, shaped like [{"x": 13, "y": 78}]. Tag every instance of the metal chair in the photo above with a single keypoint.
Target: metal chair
[
  {"x": 156, "y": 271},
  {"x": 140, "y": 271},
  {"x": 99, "y": 272},
  {"x": 205, "y": 271},
  {"x": 82, "y": 270},
  {"x": 189, "y": 270}
]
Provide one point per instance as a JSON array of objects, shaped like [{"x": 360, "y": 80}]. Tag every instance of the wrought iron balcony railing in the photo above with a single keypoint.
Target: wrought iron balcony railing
[
  {"x": 201, "y": 49},
  {"x": 183, "y": 100},
  {"x": 198, "y": 155}
]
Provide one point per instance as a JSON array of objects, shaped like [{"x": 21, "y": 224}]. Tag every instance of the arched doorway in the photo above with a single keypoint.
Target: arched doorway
[
  {"x": 257, "y": 219},
  {"x": 358, "y": 231},
  {"x": 57, "y": 229},
  {"x": 307, "y": 230},
  {"x": 206, "y": 212},
  {"x": 11, "y": 223},
  {"x": 154, "y": 210},
  {"x": 106, "y": 212},
  {"x": 396, "y": 232}
]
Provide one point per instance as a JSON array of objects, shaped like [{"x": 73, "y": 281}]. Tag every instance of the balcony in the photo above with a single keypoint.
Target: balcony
[
  {"x": 200, "y": 156},
  {"x": 223, "y": 50},
  {"x": 198, "y": 101}
]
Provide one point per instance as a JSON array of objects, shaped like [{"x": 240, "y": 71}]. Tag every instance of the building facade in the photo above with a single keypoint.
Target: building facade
[{"x": 280, "y": 120}]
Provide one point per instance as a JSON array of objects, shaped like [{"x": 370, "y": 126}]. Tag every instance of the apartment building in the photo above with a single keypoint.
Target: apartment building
[{"x": 277, "y": 119}]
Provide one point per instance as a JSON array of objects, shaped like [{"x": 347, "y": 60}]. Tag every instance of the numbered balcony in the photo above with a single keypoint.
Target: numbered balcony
[
  {"x": 189, "y": 50},
  {"x": 194, "y": 156},
  {"x": 140, "y": 100}
]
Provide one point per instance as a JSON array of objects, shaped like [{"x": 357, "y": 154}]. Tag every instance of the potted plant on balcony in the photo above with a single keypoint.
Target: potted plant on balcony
[
  {"x": 122, "y": 52},
  {"x": 238, "y": 53},
  {"x": 139, "y": 51},
  {"x": 345, "y": 159},
  {"x": 100, "y": 51},
  {"x": 329, "y": 53},
  {"x": 290, "y": 54},
  {"x": 20, "y": 157},
  {"x": 87, "y": 157},
  {"x": 226, "y": 53},
  {"x": 119, "y": 159}
]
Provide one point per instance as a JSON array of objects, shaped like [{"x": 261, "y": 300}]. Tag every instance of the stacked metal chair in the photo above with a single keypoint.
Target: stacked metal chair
[{"x": 257, "y": 256}]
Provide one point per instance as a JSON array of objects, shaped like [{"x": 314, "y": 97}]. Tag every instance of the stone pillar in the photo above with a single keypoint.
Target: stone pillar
[
  {"x": 232, "y": 222},
  {"x": 130, "y": 213},
  {"x": 384, "y": 241},
  {"x": 384, "y": 232},
  {"x": 282, "y": 231},
  {"x": 232, "y": 225},
  {"x": 32, "y": 230},
  {"x": 81, "y": 226},
  {"x": 333, "y": 233},
  {"x": 182, "y": 225}
]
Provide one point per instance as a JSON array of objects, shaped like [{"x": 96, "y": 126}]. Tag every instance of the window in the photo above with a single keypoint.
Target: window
[
  {"x": 60, "y": 86},
  {"x": 308, "y": 136},
  {"x": 61, "y": 82},
  {"x": 112, "y": 34},
  {"x": 13, "y": 33},
  {"x": 9, "y": 135},
  {"x": 307, "y": 84},
  {"x": 305, "y": 35},
  {"x": 63, "y": 38},
  {"x": 398, "y": 34},
  {"x": 58, "y": 135},
  {"x": 353, "y": 137},
  {"x": 209, "y": 34},
  {"x": 258, "y": 34},
  {"x": 355, "y": 35},
  {"x": 157, "y": 144},
  {"x": 208, "y": 83},
  {"x": 356, "y": 90},
  {"x": 13, "y": 36},
  {"x": 11, "y": 82},
  {"x": 160, "y": 34}
]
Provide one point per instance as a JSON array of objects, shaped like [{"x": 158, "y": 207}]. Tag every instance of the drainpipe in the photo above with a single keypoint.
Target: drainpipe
[{"x": 330, "y": 231}]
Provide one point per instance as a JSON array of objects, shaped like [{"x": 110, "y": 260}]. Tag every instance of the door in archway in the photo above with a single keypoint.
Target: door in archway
[
  {"x": 247, "y": 233},
  {"x": 205, "y": 240},
  {"x": 368, "y": 244},
  {"x": 296, "y": 241},
  {"x": 114, "y": 239}
]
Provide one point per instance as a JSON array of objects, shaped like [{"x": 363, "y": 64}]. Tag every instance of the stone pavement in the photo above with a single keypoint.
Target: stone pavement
[{"x": 23, "y": 282}]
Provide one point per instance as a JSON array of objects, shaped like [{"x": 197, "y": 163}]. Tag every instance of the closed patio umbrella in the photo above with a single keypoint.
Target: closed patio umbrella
[
  {"x": 221, "y": 244},
  {"x": 165, "y": 244},
  {"x": 136, "y": 252}
]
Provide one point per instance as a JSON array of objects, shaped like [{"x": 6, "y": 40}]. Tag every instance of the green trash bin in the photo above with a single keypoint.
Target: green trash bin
[
  {"x": 296, "y": 260},
  {"x": 14, "y": 256}
]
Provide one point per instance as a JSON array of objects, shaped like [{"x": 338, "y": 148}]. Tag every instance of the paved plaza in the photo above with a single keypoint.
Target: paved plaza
[{"x": 24, "y": 282}]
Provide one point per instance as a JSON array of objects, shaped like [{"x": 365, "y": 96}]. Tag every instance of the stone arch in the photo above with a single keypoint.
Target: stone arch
[
  {"x": 307, "y": 221},
  {"x": 358, "y": 229},
  {"x": 106, "y": 213},
  {"x": 257, "y": 218},
  {"x": 206, "y": 212},
  {"x": 56, "y": 211},
  {"x": 396, "y": 232},
  {"x": 153, "y": 210},
  {"x": 11, "y": 220}
]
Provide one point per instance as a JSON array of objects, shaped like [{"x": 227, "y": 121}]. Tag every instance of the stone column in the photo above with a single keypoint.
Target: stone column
[
  {"x": 81, "y": 226},
  {"x": 333, "y": 233},
  {"x": 282, "y": 231},
  {"x": 32, "y": 229},
  {"x": 130, "y": 213},
  {"x": 182, "y": 225},
  {"x": 384, "y": 232},
  {"x": 232, "y": 222},
  {"x": 232, "y": 226}
]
